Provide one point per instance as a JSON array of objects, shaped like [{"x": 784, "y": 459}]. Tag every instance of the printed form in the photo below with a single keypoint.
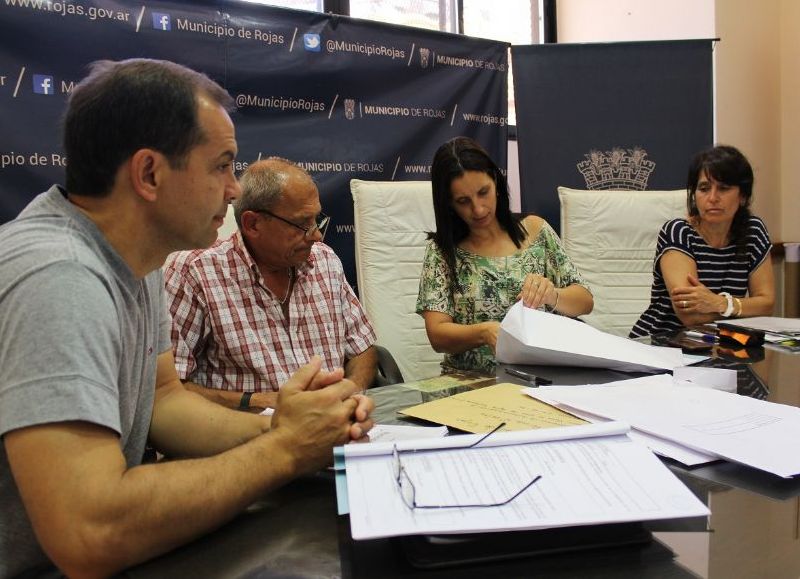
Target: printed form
[{"x": 584, "y": 481}]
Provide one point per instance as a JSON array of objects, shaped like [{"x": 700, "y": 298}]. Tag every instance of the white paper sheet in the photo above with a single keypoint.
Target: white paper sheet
[
  {"x": 398, "y": 432},
  {"x": 530, "y": 336},
  {"x": 497, "y": 439},
  {"x": 790, "y": 326},
  {"x": 584, "y": 481},
  {"x": 661, "y": 446},
  {"x": 693, "y": 358},
  {"x": 754, "y": 432},
  {"x": 719, "y": 378}
]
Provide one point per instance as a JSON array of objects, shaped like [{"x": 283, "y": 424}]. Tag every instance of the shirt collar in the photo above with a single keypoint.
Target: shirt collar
[{"x": 240, "y": 248}]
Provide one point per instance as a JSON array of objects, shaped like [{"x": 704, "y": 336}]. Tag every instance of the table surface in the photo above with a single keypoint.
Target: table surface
[{"x": 753, "y": 530}]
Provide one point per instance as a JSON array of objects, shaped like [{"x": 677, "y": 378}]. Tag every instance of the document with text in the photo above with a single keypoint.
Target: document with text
[
  {"x": 757, "y": 433},
  {"x": 481, "y": 410},
  {"x": 661, "y": 446},
  {"x": 583, "y": 481}
]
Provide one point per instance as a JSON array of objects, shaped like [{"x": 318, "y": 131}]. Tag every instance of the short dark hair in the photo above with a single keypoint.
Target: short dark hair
[
  {"x": 727, "y": 165},
  {"x": 452, "y": 160},
  {"x": 121, "y": 107}
]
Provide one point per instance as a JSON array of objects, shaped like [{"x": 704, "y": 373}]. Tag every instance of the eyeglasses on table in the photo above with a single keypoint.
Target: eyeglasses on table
[{"x": 408, "y": 491}]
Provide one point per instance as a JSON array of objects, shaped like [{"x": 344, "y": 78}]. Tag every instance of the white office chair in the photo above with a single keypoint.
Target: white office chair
[
  {"x": 228, "y": 225},
  {"x": 391, "y": 218},
  {"x": 611, "y": 238}
]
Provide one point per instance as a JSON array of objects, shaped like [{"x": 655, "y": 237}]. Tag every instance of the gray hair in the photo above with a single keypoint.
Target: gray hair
[{"x": 263, "y": 184}]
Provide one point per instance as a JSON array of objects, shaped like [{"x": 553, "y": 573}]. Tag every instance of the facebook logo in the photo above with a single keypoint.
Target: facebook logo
[
  {"x": 312, "y": 42},
  {"x": 43, "y": 84},
  {"x": 161, "y": 21}
]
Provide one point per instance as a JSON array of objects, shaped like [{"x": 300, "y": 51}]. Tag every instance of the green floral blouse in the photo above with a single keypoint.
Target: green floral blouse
[{"x": 488, "y": 287}]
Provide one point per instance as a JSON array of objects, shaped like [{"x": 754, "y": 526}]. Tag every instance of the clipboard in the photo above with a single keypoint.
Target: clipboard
[{"x": 443, "y": 551}]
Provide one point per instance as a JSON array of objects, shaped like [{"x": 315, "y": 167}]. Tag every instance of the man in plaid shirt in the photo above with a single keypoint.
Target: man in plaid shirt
[{"x": 253, "y": 308}]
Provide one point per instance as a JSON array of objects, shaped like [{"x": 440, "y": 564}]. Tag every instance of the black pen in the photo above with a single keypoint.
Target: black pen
[{"x": 528, "y": 377}]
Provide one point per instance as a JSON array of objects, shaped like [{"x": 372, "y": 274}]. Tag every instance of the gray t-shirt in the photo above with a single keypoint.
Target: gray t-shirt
[{"x": 79, "y": 338}]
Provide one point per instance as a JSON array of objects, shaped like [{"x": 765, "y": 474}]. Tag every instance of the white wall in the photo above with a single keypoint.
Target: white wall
[{"x": 625, "y": 20}]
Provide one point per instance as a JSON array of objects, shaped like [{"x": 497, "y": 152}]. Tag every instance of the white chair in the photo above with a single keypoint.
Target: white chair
[
  {"x": 611, "y": 238},
  {"x": 228, "y": 225},
  {"x": 391, "y": 218}
]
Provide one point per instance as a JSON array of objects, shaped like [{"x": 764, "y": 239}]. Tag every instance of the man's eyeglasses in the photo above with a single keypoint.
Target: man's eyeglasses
[
  {"x": 320, "y": 223},
  {"x": 409, "y": 492}
]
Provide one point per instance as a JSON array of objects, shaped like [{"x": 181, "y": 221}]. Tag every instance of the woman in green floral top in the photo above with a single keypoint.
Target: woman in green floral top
[{"x": 482, "y": 259}]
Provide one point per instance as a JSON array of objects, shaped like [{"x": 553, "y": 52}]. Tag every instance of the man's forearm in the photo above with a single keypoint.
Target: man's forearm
[
  {"x": 115, "y": 516},
  {"x": 226, "y": 398},
  {"x": 185, "y": 424},
  {"x": 93, "y": 515},
  {"x": 361, "y": 369},
  {"x": 231, "y": 399}
]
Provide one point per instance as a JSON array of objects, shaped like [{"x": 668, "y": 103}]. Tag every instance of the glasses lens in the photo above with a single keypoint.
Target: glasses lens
[
  {"x": 396, "y": 464},
  {"x": 407, "y": 489},
  {"x": 321, "y": 225}
]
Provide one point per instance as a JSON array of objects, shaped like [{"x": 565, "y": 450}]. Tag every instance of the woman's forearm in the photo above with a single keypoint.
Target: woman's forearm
[{"x": 574, "y": 300}]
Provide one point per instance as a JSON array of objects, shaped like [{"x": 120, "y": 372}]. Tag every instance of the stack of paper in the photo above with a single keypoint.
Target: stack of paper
[
  {"x": 753, "y": 432},
  {"x": 528, "y": 336},
  {"x": 590, "y": 474}
]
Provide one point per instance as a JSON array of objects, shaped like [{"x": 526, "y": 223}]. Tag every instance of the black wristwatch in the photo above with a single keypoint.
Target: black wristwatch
[{"x": 244, "y": 403}]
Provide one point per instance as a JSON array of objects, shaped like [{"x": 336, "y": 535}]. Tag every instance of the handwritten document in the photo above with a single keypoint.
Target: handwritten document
[{"x": 482, "y": 410}]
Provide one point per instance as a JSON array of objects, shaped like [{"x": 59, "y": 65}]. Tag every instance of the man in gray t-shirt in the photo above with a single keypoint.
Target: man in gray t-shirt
[
  {"x": 86, "y": 369},
  {"x": 86, "y": 337}
]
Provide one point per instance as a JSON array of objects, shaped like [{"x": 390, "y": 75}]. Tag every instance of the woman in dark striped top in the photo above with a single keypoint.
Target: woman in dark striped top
[{"x": 715, "y": 264}]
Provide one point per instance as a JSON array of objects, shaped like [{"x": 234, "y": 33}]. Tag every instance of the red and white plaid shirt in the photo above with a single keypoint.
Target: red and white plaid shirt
[{"x": 229, "y": 331}]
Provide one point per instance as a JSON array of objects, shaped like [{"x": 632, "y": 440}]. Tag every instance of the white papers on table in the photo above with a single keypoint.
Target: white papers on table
[
  {"x": 397, "y": 432},
  {"x": 529, "y": 336},
  {"x": 719, "y": 378},
  {"x": 785, "y": 326},
  {"x": 661, "y": 446},
  {"x": 584, "y": 481},
  {"x": 671, "y": 449},
  {"x": 757, "y": 433},
  {"x": 496, "y": 439},
  {"x": 689, "y": 359}
]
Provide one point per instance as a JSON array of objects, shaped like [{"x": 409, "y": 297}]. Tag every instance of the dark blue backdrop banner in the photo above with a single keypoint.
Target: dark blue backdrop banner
[
  {"x": 344, "y": 98},
  {"x": 609, "y": 116}
]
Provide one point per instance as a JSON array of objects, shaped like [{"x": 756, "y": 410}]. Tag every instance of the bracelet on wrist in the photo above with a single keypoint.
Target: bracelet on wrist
[
  {"x": 552, "y": 308},
  {"x": 739, "y": 307},
  {"x": 729, "y": 308}
]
